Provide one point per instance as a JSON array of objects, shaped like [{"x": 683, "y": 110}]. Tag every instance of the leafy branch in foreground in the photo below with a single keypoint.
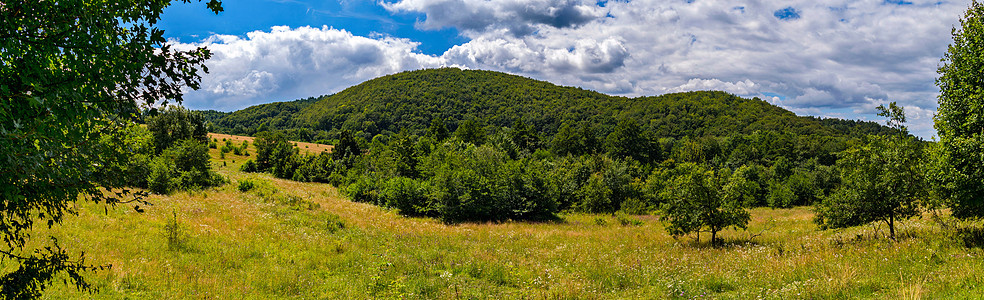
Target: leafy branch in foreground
[{"x": 71, "y": 73}]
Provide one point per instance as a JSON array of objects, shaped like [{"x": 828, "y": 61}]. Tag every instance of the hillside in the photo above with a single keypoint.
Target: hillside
[{"x": 411, "y": 100}]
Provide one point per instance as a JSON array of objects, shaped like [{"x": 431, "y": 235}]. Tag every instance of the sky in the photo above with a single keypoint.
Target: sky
[{"x": 825, "y": 58}]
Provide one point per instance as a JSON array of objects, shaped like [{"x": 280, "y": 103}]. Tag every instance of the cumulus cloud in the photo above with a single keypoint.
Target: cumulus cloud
[
  {"x": 289, "y": 63},
  {"x": 518, "y": 17},
  {"x": 810, "y": 56}
]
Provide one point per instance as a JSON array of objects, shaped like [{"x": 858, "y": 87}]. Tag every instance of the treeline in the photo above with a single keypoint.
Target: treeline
[
  {"x": 696, "y": 184},
  {"x": 413, "y": 100},
  {"x": 480, "y": 173}
]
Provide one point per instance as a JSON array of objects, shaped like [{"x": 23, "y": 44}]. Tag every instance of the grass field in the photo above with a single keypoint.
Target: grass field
[
  {"x": 285, "y": 239},
  {"x": 310, "y": 148}
]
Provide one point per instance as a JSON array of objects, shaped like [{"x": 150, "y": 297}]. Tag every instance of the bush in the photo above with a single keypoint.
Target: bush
[
  {"x": 635, "y": 206},
  {"x": 245, "y": 185},
  {"x": 596, "y": 197},
  {"x": 334, "y": 223},
  {"x": 406, "y": 195},
  {"x": 275, "y": 154},
  {"x": 185, "y": 165},
  {"x": 626, "y": 220},
  {"x": 249, "y": 167},
  {"x": 162, "y": 178},
  {"x": 363, "y": 190},
  {"x": 482, "y": 184}
]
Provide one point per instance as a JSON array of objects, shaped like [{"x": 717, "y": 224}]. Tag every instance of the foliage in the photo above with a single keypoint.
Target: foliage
[
  {"x": 698, "y": 199},
  {"x": 628, "y": 140},
  {"x": 249, "y": 167},
  {"x": 185, "y": 165},
  {"x": 275, "y": 154},
  {"x": 470, "y": 131},
  {"x": 480, "y": 183},
  {"x": 71, "y": 73},
  {"x": 881, "y": 181},
  {"x": 347, "y": 149},
  {"x": 407, "y": 195},
  {"x": 175, "y": 123},
  {"x": 959, "y": 119},
  {"x": 427, "y": 100}
]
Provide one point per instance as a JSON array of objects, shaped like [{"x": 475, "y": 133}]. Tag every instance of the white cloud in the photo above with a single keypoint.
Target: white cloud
[
  {"x": 518, "y": 17},
  {"x": 837, "y": 55},
  {"x": 285, "y": 64}
]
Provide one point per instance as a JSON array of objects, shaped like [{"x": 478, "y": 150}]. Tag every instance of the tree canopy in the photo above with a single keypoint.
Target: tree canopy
[
  {"x": 882, "y": 180},
  {"x": 960, "y": 118},
  {"x": 72, "y": 72}
]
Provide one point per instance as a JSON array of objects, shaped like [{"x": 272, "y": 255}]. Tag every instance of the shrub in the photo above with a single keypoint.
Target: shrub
[
  {"x": 635, "y": 206},
  {"x": 245, "y": 185},
  {"x": 363, "y": 189},
  {"x": 596, "y": 197},
  {"x": 173, "y": 233},
  {"x": 406, "y": 195},
  {"x": 334, "y": 223},
  {"x": 626, "y": 220},
  {"x": 185, "y": 165},
  {"x": 161, "y": 178}
]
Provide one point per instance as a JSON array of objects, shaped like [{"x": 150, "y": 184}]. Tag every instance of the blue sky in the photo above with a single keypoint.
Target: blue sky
[
  {"x": 828, "y": 58},
  {"x": 190, "y": 22}
]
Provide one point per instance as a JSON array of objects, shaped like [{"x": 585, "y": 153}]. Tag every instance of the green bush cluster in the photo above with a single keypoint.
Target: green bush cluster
[
  {"x": 166, "y": 155},
  {"x": 483, "y": 173},
  {"x": 230, "y": 147}
]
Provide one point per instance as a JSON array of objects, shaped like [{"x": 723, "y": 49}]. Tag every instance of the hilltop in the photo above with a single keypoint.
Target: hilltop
[{"x": 412, "y": 100}]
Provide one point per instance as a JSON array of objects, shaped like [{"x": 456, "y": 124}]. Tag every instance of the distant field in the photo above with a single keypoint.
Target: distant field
[
  {"x": 305, "y": 147},
  {"x": 286, "y": 239}
]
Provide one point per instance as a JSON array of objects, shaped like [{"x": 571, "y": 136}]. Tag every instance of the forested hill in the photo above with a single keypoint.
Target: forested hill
[{"x": 412, "y": 100}]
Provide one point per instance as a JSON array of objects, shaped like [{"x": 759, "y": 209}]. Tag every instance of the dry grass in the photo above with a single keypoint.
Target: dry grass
[{"x": 310, "y": 148}]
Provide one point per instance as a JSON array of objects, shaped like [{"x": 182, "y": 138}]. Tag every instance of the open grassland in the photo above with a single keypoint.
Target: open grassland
[
  {"x": 285, "y": 239},
  {"x": 310, "y": 148}
]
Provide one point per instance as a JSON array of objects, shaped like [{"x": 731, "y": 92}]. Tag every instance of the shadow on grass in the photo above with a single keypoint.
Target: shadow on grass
[
  {"x": 722, "y": 243},
  {"x": 972, "y": 237}
]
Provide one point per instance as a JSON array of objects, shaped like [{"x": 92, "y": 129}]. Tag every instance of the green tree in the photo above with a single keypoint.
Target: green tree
[
  {"x": 961, "y": 116},
  {"x": 275, "y": 154},
  {"x": 881, "y": 181},
  {"x": 71, "y": 72},
  {"x": 470, "y": 132},
  {"x": 438, "y": 130},
  {"x": 698, "y": 200},
  {"x": 565, "y": 141},
  {"x": 628, "y": 140},
  {"x": 176, "y": 123},
  {"x": 524, "y": 136},
  {"x": 346, "y": 150}
]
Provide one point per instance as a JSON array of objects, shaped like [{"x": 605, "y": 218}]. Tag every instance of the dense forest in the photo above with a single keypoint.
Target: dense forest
[{"x": 413, "y": 100}]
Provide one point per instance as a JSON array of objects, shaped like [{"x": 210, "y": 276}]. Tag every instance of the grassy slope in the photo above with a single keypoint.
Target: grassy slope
[{"x": 236, "y": 245}]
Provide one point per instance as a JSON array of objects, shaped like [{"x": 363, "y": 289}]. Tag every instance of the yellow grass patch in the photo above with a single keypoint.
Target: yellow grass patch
[{"x": 310, "y": 148}]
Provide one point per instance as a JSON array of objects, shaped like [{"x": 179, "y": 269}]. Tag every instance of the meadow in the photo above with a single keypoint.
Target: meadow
[{"x": 287, "y": 239}]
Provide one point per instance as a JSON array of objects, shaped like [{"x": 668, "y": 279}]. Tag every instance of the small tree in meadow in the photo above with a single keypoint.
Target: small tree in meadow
[
  {"x": 698, "y": 200},
  {"x": 882, "y": 180}
]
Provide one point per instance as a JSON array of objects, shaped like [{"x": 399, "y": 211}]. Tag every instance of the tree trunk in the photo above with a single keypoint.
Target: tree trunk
[
  {"x": 891, "y": 225},
  {"x": 713, "y": 237}
]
